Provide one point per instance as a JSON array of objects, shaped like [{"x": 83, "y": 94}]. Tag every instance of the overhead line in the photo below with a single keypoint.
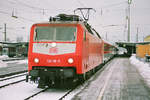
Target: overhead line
[
  {"x": 22, "y": 4},
  {"x": 108, "y": 6},
  {"x": 32, "y": 7},
  {"x": 81, "y": 3},
  {"x": 26, "y": 19},
  {"x": 28, "y": 5},
  {"x": 2, "y": 12},
  {"x": 112, "y": 5}
]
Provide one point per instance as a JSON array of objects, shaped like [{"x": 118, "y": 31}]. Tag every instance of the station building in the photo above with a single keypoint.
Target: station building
[
  {"x": 141, "y": 49},
  {"x": 14, "y": 49}
]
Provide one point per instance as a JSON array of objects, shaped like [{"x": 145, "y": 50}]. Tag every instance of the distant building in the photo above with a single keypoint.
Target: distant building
[
  {"x": 142, "y": 50},
  {"x": 147, "y": 39},
  {"x": 14, "y": 49}
]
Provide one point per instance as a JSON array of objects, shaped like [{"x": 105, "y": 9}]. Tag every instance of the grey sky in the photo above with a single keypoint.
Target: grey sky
[{"x": 108, "y": 12}]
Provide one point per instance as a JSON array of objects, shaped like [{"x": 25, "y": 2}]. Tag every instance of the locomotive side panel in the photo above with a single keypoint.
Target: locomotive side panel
[{"x": 92, "y": 52}]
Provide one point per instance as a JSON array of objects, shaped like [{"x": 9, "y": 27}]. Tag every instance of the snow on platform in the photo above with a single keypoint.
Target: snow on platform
[{"x": 143, "y": 68}]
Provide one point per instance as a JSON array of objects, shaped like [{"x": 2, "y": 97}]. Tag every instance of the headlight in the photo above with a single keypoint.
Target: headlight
[
  {"x": 70, "y": 60},
  {"x": 53, "y": 44},
  {"x": 36, "y": 60}
]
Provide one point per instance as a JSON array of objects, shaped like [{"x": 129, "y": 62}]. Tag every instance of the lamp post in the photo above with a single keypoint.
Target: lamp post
[
  {"x": 137, "y": 35},
  {"x": 5, "y": 32},
  {"x": 129, "y": 3}
]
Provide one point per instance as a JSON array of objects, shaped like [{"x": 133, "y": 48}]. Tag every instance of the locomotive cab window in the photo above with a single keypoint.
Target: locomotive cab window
[{"x": 55, "y": 33}]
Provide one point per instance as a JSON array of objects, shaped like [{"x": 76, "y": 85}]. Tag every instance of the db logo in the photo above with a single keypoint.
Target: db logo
[{"x": 53, "y": 50}]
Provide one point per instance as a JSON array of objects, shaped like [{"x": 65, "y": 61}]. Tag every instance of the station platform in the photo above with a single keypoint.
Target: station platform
[{"x": 118, "y": 80}]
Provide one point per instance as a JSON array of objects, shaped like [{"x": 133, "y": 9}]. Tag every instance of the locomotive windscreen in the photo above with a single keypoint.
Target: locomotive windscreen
[{"x": 55, "y": 33}]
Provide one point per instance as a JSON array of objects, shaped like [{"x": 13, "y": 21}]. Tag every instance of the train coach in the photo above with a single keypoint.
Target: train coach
[{"x": 64, "y": 49}]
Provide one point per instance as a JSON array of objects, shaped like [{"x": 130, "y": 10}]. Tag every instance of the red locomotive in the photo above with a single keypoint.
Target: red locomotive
[{"x": 65, "y": 48}]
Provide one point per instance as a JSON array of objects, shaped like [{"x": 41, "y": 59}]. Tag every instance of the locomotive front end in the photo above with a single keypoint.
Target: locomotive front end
[{"x": 52, "y": 53}]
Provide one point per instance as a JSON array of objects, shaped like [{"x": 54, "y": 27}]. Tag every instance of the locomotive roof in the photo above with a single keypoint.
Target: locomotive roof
[
  {"x": 61, "y": 22},
  {"x": 64, "y": 19},
  {"x": 71, "y": 19}
]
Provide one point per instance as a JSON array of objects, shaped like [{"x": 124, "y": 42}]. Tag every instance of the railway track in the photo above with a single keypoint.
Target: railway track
[
  {"x": 12, "y": 83},
  {"x": 12, "y": 80},
  {"x": 66, "y": 94},
  {"x": 11, "y": 77},
  {"x": 44, "y": 90},
  {"x": 63, "y": 95},
  {"x": 11, "y": 74},
  {"x": 36, "y": 94}
]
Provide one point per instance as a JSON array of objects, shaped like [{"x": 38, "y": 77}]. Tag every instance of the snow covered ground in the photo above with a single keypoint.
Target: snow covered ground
[
  {"x": 12, "y": 66},
  {"x": 5, "y": 64},
  {"x": 2, "y": 64},
  {"x": 143, "y": 68},
  {"x": 18, "y": 62},
  {"x": 22, "y": 90},
  {"x": 18, "y": 91},
  {"x": 3, "y": 57}
]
